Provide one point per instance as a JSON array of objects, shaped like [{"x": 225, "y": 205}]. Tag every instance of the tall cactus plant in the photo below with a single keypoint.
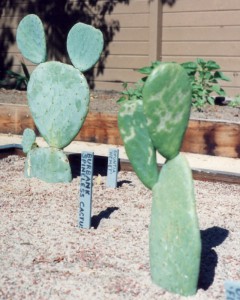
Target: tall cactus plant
[
  {"x": 58, "y": 95},
  {"x": 158, "y": 123}
]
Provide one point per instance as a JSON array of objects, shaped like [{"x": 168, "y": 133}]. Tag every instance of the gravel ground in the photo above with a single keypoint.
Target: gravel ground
[{"x": 44, "y": 255}]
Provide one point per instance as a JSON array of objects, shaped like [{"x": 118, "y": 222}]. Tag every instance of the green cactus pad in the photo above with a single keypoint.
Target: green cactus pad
[
  {"x": 175, "y": 245},
  {"x": 58, "y": 97},
  {"x": 28, "y": 140},
  {"x": 31, "y": 39},
  {"x": 138, "y": 145},
  {"x": 84, "y": 45},
  {"x": 167, "y": 103},
  {"x": 48, "y": 164}
]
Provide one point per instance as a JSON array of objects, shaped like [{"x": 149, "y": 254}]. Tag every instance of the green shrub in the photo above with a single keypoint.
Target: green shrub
[{"x": 203, "y": 75}]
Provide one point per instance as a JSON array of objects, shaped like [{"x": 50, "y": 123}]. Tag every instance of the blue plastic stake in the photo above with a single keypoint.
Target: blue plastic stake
[
  {"x": 232, "y": 290},
  {"x": 85, "y": 209},
  {"x": 112, "y": 170}
]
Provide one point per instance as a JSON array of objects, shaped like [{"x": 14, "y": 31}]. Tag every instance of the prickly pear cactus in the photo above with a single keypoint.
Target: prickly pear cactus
[
  {"x": 58, "y": 95},
  {"x": 158, "y": 123}
]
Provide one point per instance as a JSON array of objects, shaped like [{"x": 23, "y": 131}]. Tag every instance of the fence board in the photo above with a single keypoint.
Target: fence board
[
  {"x": 214, "y": 18},
  {"x": 202, "y": 5},
  {"x": 217, "y": 33}
]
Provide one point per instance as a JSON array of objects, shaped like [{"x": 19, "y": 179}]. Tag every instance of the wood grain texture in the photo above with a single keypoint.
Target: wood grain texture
[{"x": 202, "y": 137}]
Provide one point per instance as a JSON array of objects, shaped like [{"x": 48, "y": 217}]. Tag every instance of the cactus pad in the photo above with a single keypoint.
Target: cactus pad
[
  {"x": 167, "y": 102},
  {"x": 28, "y": 140},
  {"x": 175, "y": 245},
  {"x": 31, "y": 39},
  {"x": 138, "y": 145},
  {"x": 48, "y": 164},
  {"x": 84, "y": 45},
  {"x": 58, "y": 97}
]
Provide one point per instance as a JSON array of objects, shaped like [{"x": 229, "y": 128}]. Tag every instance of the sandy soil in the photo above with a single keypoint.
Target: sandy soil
[
  {"x": 44, "y": 255},
  {"x": 106, "y": 101}
]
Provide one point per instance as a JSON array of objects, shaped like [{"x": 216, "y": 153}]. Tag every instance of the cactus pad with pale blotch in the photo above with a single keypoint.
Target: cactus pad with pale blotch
[
  {"x": 138, "y": 145},
  {"x": 167, "y": 102}
]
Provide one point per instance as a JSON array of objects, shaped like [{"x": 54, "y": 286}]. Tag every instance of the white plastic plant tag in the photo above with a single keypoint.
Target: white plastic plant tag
[
  {"x": 85, "y": 209},
  {"x": 112, "y": 170},
  {"x": 232, "y": 290}
]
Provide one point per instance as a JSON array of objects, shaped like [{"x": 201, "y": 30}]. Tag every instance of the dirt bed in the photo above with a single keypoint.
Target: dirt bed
[
  {"x": 44, "y": 255},
  {"x": 106, "y": 101}
]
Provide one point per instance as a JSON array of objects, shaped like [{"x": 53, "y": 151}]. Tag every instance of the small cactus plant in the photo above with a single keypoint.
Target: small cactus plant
[
  {"x": 58, "y": 95},
  {"x": 158, "y": 122}
]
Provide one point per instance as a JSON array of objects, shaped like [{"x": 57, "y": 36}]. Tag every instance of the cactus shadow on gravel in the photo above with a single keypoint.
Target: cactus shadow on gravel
[
  {"x": 58, "y": 16},
  {"x": 105, "y": 214},
  {"x": 211, "y": 237}
]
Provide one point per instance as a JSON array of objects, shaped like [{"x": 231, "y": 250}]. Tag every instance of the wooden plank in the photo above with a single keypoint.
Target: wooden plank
[
  {"x": 129, "y": 48},
  {"x": 203, "y": 137},
  {"x": 126, "y": 61},
  {"x": 202, "y": 5},
  {"x": 123, "y": 34},
  {"x": 155, "y": 30},
  {"x": 15, "y": 118},
  {"x": 108, "y": 86},
  {"x": 229, "y": 64},
  {"x": 112, "y": 61},
  {"x": 120, "y": 20},
  {"x": 130, "y": 7},
  {"x": 201, "y": 49},
  {"x": 100, "y": 128},
  {"x": 196, "y": 19},
  {"x": 124, "y": 20},
  {"x": 132, "y": 34},
  {"x": 114, "y": 7},
  {"x": 212, "y": 138},
  {"x": 216, "y": 33},
  {"x": 118, "y": 75}
]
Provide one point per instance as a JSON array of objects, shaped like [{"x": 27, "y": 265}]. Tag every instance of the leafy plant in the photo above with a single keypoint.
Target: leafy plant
[
  {"x": 20, "y": 80},
  {"x": 135, "y": 93},
  {"x": 235, "y": 102},
  {"x": 204, "y": 77}
]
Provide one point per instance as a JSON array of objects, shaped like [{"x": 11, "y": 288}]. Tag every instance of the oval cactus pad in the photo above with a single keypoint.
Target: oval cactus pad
[
  {"x": 167, "y": 101},
  {"x": 58, "y": 97},
  {"x": 138, "y": 145},
  {"x": 28, "y": 140},
  {"x": 174, "y": 236},
  {"x": 84, "y": 45},
  {"x": 31, "y": 39}
]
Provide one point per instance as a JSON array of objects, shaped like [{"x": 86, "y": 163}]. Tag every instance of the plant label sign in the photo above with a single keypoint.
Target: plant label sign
[
  {"x": 112, "y": 170},
  {"x": 232, "y": 290},
  {"x": 85, "y": 209}
]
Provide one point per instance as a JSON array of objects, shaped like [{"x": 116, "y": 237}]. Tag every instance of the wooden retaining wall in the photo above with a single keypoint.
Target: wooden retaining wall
[{"x": 202, "y": 137}]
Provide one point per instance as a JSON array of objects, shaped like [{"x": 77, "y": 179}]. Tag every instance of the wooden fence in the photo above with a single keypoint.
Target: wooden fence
[{"x": 136, "y": 32}]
